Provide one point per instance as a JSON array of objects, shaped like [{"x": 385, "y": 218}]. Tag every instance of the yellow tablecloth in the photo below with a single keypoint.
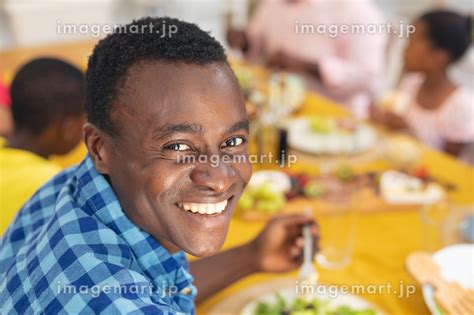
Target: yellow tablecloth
[{"x": 383, "y": 239}]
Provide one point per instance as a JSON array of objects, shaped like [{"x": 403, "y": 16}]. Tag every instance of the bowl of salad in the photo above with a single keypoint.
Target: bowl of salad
[{"x": 287, "y": 302}]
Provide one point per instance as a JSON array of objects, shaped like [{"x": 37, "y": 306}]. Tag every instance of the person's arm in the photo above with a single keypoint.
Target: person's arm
[
  {"x": 388, "y": 118},
  {"x": 454, "y": 148},
  {"x": 237, "y": 39},
  {"x": 287, "y": 62},
  {"x": 278, "y": 248}
]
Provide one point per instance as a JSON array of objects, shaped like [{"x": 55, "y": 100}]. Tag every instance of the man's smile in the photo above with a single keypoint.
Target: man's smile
[
  {"x": 204, "y": 208},
  {"x": 209, "y": 215}
]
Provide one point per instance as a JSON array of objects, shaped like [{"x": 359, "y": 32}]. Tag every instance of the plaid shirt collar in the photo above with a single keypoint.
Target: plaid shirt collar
[
  {"x": 157, "y": 263},
  {"x": 73, "y": 231}
]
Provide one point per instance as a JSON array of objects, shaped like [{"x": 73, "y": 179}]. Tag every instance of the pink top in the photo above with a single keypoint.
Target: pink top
[
  {"x": 4, "y": 95},
  {"x": 351, "y": 65},
  {"x": 453, "y": 121}
]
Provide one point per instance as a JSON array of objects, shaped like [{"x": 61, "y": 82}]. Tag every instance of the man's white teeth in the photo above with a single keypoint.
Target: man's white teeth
[{"x": 205, "y": 208}]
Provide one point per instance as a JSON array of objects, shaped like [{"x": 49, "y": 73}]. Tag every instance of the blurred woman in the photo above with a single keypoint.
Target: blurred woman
[{"x": 438, "y": 112}]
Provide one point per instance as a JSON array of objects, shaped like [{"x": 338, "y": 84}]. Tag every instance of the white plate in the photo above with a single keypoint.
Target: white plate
[
  {"x": 301, "y": 137},
  {"x": 457, "y": 264},
  {"x": 400, "y": 188},
  {"x": 289, "y": 295}
]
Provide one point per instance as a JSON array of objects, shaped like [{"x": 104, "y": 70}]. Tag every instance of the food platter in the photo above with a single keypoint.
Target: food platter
[
  {"x": 330, "y": 136},
  {"x": 272, "y": 192}
]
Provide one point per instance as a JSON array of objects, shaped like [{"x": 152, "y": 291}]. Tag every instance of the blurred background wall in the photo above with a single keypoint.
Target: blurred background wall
[{"x": 35, "y": 22}]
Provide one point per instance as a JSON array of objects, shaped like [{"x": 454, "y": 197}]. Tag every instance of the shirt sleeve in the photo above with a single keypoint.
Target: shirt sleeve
[
  {"x": 359, "y": 61},
  {"x": 4, "y": 95},
  {"x": 457, "y": 118},
  {"x": 109, "y": 288}
]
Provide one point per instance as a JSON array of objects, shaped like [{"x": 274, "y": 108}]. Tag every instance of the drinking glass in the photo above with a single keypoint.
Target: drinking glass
[
  {"x": 433, "y": 223},
  {"x": 337, "y": 230}
]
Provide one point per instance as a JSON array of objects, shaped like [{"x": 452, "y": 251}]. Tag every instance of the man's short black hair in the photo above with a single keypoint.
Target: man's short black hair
[
  {"x": 449, "y": 31},
  {"x": 43, "y": 90},
  {"x": 136, "y": 42}
]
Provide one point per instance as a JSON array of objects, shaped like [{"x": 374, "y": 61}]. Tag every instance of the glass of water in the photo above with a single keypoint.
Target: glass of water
[{"x": 337, "y": 231}]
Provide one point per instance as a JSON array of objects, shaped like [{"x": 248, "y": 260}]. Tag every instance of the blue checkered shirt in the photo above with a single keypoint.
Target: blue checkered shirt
[{"x": 71, "y": 249}]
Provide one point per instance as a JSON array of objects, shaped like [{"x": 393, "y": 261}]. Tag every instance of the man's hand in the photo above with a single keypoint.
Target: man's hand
[
  {"x": 237, "y": 39},
  {"x": 279, "y": 247},
  {"x": 286, "y": 62},
  {"x": 282, "y": 60}
]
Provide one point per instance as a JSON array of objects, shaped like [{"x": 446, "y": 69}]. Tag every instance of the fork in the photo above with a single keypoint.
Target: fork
[{"x": 308, "y": 273}]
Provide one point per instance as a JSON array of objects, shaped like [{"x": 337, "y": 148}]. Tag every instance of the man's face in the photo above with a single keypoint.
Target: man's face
[{"x": 168, "y": 112}]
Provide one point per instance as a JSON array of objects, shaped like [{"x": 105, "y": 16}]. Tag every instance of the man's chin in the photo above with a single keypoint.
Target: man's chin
[{"x": 204, "y": 248}]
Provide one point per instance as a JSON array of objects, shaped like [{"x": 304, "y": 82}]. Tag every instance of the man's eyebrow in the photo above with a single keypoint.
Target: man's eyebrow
[
  {"x": 171, "y": 129},
  {"x": 240, "y": 125}
]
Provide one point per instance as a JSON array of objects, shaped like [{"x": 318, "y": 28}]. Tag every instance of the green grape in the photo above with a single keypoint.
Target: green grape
[
  {"x": 345, "y": 173},
  {"x": 266, "y": 191},
  {"x": 314, "y": 189},
  {"x": 270, "y": 205},
  {"x": 246, "y": 201},
  {"x": 322, "y": 124}
]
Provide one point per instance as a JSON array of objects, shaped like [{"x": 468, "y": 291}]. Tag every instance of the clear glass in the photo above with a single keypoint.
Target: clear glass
[
  {"x": 433, "y": 223},
  {"x": 337, "y": 231}
]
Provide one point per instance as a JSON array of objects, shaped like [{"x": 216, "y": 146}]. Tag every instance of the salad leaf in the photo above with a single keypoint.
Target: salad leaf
[{"x": 306, "y": 307}]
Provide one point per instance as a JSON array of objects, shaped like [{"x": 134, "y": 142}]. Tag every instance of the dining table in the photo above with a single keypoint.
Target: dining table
[{"x": 383, "y": 239}]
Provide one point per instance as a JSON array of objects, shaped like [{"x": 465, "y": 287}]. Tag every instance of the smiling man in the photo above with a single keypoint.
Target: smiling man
[{"x": 110, "y": 235}]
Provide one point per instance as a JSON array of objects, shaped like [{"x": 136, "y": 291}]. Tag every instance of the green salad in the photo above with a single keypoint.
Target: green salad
[{"x": 306, "y": 307}]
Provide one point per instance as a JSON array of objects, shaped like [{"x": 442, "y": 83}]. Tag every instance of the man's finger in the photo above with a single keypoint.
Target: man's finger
[
  {"x": 299, "y": 242},
  {"x": 295, "y": 251},
  {"x": 295, "y": 219}
]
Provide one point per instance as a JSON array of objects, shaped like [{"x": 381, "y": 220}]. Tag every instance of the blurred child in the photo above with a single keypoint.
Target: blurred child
[
  {"x": 437, "y": 111},
  {"x": 48, "y": 114}
]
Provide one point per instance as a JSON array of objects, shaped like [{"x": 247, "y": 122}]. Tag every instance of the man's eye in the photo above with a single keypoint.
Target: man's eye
[
  {"x": 178, "y": 147},
  {"x": 234, "y": 142}
]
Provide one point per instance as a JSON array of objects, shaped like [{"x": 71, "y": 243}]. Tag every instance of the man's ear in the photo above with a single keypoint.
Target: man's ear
[{"x": 99, "y": 147}]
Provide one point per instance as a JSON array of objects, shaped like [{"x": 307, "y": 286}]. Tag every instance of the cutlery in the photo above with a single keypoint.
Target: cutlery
[
  {"x": 453, "y": 298},
  {"x": 308, "y": 273}
]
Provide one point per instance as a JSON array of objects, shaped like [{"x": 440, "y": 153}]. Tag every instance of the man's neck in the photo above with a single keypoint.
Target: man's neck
[
  {"x": 28, "y": 142},
  {"x": 171, "y": 248}
]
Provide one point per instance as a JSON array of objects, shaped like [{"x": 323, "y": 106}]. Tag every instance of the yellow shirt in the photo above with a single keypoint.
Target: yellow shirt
[{"x": 21, "y": 174}]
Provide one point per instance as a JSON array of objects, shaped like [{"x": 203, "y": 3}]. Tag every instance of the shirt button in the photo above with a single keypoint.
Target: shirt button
[{"x": 186, "y": 291}]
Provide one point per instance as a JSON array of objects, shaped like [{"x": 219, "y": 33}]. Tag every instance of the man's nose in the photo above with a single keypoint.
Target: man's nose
[{"x": 218, "y": 177}]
